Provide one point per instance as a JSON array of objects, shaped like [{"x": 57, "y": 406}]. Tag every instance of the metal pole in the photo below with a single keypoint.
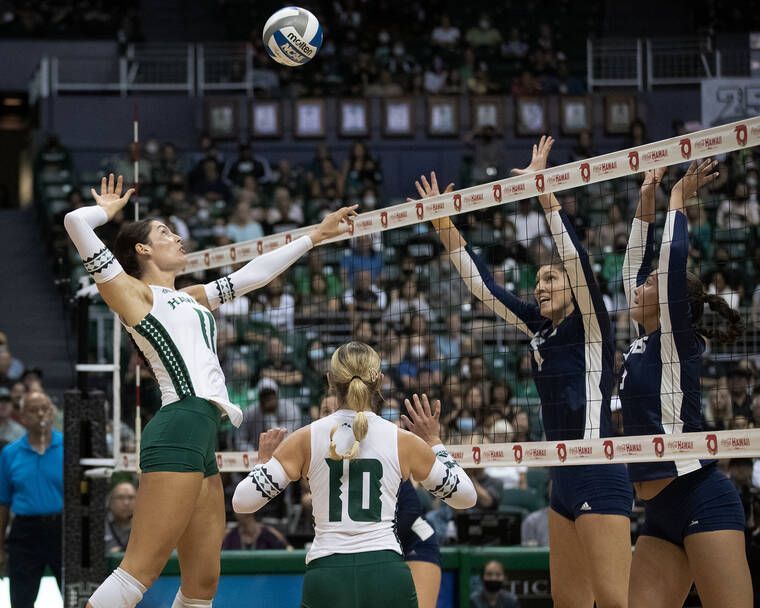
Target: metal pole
[
  {"x": 83, "y": 334},
  {"x": 116, "y": 427},
  {"x": 590, "y": 65}
]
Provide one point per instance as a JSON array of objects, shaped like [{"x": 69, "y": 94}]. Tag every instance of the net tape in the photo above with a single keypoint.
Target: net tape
[
  {"x": 635, "y": 448},
  {"x": 700, "y": 144}
]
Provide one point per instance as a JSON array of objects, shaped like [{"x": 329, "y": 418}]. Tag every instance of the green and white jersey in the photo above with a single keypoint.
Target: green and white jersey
[
  {"x": 354, "y": 501},
  {"x": 178, "y": 338}
]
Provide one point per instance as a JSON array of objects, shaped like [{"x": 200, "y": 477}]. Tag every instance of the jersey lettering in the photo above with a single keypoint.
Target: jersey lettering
[{"x": 363, "y": 485}]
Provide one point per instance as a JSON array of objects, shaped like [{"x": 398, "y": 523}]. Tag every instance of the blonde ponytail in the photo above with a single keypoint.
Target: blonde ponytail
[{"x": 355, "y": 374}]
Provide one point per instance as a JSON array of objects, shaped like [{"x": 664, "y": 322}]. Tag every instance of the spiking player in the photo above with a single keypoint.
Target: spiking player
[
  {"x": 355, "y": 462},
  {"x": 180, "y": 502},
  {"x": 694, "y": 521},
  {"x": 573, "y": 352}
]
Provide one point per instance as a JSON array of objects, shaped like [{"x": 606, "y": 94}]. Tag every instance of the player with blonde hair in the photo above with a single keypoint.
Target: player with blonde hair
[{"x": 355, "y": 461}]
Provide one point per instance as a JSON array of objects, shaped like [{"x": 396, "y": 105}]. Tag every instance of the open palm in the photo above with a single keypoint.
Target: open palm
[
  {"x": 540, "y": 156},
  {"x": 110, "y": 197}
]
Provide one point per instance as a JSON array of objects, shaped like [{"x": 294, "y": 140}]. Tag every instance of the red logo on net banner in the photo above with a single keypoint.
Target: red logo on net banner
[
  {"x": 458, "y": 202},
  {"x": 259, "y": 247},
  {"x": 206, "y": 259},
  {"x": 685, "y": 147},
  {"x": 420, "y": 210},
  {"x": 659, "y": 446},
  {"x": 736, "y": 443},
  {"x": 288, "y": 238},
  {"x": 562, "y": 452},
  {"x": 741, "y": 134},
  {"x": 233, "y": 254},
  {"x": 476, "y": 454},
  {"x": 497, "y": 193},
  {"x": 384, "y": 219},
  {"x": 540, "y": 182},
  {"x": 585, "y": 172},
  {"x": 609, "y": 449},
  {"x": 350, "y": 226},
  {"x": 633, "y": 160},
  {"x": 517, "y": 452},
  {"x": 712, "y": 444},
  {"x": 219, "y": 461}
]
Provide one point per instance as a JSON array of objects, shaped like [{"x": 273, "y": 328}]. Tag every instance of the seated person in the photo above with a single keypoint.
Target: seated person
[
  {"x": 493, "y": 594},
  {"x": 250, "y": 534}
]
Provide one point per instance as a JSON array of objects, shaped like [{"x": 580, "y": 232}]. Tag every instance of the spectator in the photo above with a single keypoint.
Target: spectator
[
  {"x": 484, "y": 34},
  {"x": 525, "y": 85},
  {"x": 719, "y": 412},
  {"x": 700, "y": 231},
  {"x": 285, "y": 214},
  {"x": 445, "y": 35},
  {"x": 248, "y": 164},
  {"x": 406, "y": 303},
  {"x": 289, "y": 177},
  {"x": 17, "y": 366},
  {"x": 242, "y": 227},
  {"x": 315, "y": 375},
  {"x": 489, "y": 160},
  {"x": 384, "y": 86},
  {"x": 739, "y": 386},
  {"x": 738, "y": 213},
  {"x": 360, "y": 170},
  {"x": 583, "y": 148},
  {"x": 52, "y": 157},
  {"x": 448, "y": 343},
  {"x": 318, "y": 300},
  {"x": 271, "y": 412},
  {"x": 210, "y": 187},
  {"x": 719, "y": 285},
  {"x": 18, "y": 390},
  {"x": 740, "y": 472},
  {"x": 487, "y": 488},
  {"x": 279, "y": 307},
  {"x": 31, "y": 487},
  {"x": 361, "y": 256},
  {"x": 10, "y": 430},
  {"x": 614, "y": 228},
  {"x": 436, "y": 76},
  {"x": 534, "y": 530},
  {"x": 529, "y": 223},
  {"x": 514, "y": 47},
  {"x": 365, "y": 296},
  {"x": 277, "y": 368},
  {"x": 121, "y": 506},
  {"x": 756, "y": 408},
  {"x": 493, "y": 594},
  {"x": 5, "y": 369},
  {"x": 250, "y": 535}
]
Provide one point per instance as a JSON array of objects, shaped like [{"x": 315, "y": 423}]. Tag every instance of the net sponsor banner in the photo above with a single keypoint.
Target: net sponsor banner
[
  {"x": 701, "y": 144},
  {"x": 643, "y": 448},
  {"x": 725, "y": 99}
]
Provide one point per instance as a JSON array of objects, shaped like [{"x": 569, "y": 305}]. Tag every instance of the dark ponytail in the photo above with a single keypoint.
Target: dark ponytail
[
  {"x": 698, "y": 298},
  {"x": 130, "y": 234}
]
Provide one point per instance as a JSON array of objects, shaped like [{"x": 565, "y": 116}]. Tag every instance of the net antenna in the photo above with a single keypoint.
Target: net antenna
[{"x": 138, "y": 416}]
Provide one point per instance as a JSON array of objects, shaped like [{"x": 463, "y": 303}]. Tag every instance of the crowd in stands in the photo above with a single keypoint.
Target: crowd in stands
[
  {"x": 396, "y": 292},
  {"x": 386, "y": 49}
]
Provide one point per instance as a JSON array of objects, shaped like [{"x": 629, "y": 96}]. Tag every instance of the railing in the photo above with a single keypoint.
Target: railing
[
  {"x": 614, "y": 63},
  {"x": 167, "y": 67},
  {"x": 654, "y": 62},
  {"x": 225, "y": 67}
]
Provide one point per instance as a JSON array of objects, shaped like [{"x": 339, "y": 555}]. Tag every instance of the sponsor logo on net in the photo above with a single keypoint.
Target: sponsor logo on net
[
  {"x": 515, "y": 189},
  {"x": 754, "y": 132},
  {"x": 627, "y": 448},
  {"x": 433, "y": 208},
  {"x": 492, "y": 454},
  {"x": 604, "y": 168},
  {"x": 457, "y": 454},
  {"x": 364, "y": 223},
  {"x": 741, "y": 134},
  {"x": 246, "y": 460},
  {"x": 470, "y": 200},
  {"x": 476, "y": 454},
  {"x": 653, "y": 156},
  {"x": 531, "y": 453},
  {"x": 727, "y": 443},
  {"x": 708, "y": 144},
  {"x": 558, "y": 179}
]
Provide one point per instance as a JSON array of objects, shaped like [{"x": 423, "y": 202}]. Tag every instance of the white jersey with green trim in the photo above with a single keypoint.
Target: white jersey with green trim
[
  {"x": 354, "y": 501},
  {"x": 178, "y": 338}
]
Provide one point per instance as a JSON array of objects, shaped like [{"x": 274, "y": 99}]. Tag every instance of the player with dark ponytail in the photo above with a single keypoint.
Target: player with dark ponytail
[{"x": 694, "y": 521}]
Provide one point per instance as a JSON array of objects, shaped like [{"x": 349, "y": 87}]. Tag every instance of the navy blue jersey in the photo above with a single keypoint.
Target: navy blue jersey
[
  {"x": 573, "y": 362},
  {"x": 660, "y": 386},
  {"x": 411, "y": 527}
]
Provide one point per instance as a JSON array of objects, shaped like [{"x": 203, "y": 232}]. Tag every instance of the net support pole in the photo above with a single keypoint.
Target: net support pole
[
  {"x": 84, "y": 508},
  {"x": 83, "y": 338},
  {"x": 116, "y": 426}
]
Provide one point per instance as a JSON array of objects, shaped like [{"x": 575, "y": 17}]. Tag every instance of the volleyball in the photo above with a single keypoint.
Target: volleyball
[{"x": 292, "y": 36}]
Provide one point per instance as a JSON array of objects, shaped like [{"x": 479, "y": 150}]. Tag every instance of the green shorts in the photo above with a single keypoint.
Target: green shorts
[
  {"x": 182, "y": 437},
  {"x": 375, "y": 579}
]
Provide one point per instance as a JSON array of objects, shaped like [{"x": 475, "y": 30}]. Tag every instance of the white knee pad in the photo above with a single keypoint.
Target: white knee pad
[
  {"x": 120, "y": 590},
  {"x": 180, "y": 601}
]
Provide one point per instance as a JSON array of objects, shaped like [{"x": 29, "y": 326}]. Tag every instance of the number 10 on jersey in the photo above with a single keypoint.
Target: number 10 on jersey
[{"x": 363, "y": 485}]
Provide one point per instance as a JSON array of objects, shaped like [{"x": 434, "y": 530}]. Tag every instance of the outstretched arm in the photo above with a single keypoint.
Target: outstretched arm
[
  {"x": 130, "y": 298},
  {"x": 281, "y": 460},
  {"x": 574, "y": 257},
  {"x": 261, "y": 270},
  {"x": 639, "y": 253},
  {"x": 476, "y": 274},
  {"x": 675, "y": 309}
]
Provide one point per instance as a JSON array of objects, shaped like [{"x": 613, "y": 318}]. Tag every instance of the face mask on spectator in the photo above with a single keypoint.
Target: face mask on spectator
[
  {"x": 466, "y": 371},
  {"x": 389, "y": 413},
  {"x": 418, "y": 352},
  {"x": 492, "y": 586},
  {"x": 369, "y": 201},
  {"x": 316, "y": 353},
  {"x": 466, "y": 424}
]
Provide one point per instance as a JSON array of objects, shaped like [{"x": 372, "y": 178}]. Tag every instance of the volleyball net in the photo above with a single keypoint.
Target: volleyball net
[{"x": 390, "y": 283}]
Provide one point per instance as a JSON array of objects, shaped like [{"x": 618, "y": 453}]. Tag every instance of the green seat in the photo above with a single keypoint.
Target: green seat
[
  {"x": 523, "y": 498},
  {"x": 538, "y": 479}
]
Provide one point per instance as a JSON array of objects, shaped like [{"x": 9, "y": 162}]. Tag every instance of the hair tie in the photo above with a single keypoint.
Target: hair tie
[{"x": 355, "y": 377}]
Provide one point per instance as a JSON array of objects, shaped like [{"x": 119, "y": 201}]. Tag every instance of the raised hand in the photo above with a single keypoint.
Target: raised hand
[
  {"x": 334, "y": 224},
  {"x": 652, "y": 179},
  {"x": 422, "y": 421},
  {"x": 110, "y": 197},
  {"x": 268, "y": 442},
  {"x": 695, "y": 178},
  {"x": 540, "y": 156},
  {"x": 426, "y": 190}
]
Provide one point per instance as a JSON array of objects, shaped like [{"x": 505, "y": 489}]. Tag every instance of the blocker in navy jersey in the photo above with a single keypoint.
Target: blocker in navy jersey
[
  {"x": 660, "y": 387},
  {"x": 573, "y": 362},
  {"x": 573, "y": 371},
  {"x": 419, "y": 541}
]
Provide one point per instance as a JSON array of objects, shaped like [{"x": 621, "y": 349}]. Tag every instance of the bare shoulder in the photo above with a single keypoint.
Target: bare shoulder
[
  {"x": 294, "y": 453},
  {"x": 128, "y": 297}
]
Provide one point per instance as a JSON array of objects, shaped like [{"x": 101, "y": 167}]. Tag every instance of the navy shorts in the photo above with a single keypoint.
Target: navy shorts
[
  {"x": 422, "y": 550},
  {"x": 702, "y": 501},
  {"x": 591, "y": 488}
]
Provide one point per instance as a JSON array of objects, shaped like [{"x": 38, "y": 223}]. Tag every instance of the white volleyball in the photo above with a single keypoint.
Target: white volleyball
[{"x": 292, "y": 36}]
